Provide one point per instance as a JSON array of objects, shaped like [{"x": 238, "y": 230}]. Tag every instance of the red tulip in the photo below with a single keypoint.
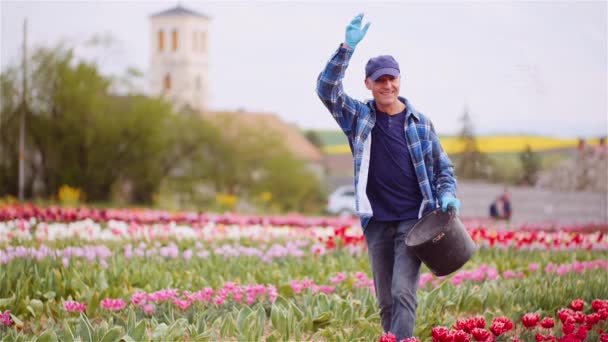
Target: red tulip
[
  {"x": 439, "y": 333},
  {"x": 530, "y": 319},
  {"x": 410, "y": 339},
  {"x": 387, "y": 337},
  {"x": 604, "y": 337},
  {"x": 577, "y": 304},
  {"x": 547, "y": 322},
  {"x": 593, "y": 318},
  {"x": 466, "y": 325},
  {"x": 480, "y": 322},
  {"x": 579, "y": 317},
  {"x": 500, "y": 325},
  {"x": 598, "y": 304},
  {"x": 481, "y": 335},
  {"x": 581, "y": 333},
  {"x": 459, "y": 336},
  {"x": 568, "y": 328},
  {"x": 564, "y": 314}
]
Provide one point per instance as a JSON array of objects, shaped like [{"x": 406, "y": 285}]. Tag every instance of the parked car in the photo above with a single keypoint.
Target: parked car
[{"x": 342, "y": 201}]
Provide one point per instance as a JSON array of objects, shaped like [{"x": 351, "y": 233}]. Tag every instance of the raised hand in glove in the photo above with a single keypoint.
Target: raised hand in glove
[{"x": 354, "y": 32}]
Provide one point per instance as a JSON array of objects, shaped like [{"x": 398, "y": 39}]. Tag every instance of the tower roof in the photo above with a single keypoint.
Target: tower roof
[{"x": 179, "y": 10}]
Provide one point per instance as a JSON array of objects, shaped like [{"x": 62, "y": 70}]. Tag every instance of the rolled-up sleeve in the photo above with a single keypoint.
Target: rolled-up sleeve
[
  {"x": 331, "y": 91},
  {"x": 445, "y": 181}
]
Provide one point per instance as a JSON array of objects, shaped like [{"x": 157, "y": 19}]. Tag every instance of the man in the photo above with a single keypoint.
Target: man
[{"x": 401, "y": 173}]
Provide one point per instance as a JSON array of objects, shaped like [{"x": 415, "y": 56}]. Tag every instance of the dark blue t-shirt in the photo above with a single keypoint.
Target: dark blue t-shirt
[{"x": 392, "y": 186}]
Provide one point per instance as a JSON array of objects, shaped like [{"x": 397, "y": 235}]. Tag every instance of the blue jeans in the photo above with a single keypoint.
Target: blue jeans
[{"x": 396, "y": 272}]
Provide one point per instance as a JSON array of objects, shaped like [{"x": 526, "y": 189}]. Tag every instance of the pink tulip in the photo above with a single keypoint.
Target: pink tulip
[
  {"x": 340, "y": 276},
  {"x": 219, "y": 300},
  {"x": 113, "y": 304},
  {"x": 508, "y": 274},
  {"x": 5, "y": 318},
  {"x": 149, "y": 308},
  {"x": 139, "y": 297},
  {"x": 74, "y": 306},
  {"x": 182, "y": 303}
]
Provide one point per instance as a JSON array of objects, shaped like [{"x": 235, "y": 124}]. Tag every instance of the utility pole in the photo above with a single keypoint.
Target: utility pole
[{"x": 22, "y": 119}]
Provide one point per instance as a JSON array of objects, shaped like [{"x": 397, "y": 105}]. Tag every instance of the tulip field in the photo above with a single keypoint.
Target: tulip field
[{"x": 86, "y": 274}]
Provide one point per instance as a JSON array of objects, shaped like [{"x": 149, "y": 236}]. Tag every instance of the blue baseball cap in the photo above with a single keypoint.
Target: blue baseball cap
[{"x": 381, "y": 65}]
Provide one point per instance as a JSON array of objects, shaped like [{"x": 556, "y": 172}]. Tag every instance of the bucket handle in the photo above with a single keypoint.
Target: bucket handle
[{"x": 452, "y": 211}]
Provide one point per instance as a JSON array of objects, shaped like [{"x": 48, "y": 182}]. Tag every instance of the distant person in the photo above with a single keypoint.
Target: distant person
[
  {"x": 501, "y": 209},
  {"x": 401, "y": 173},
  {"x": 581, "y": 145}
]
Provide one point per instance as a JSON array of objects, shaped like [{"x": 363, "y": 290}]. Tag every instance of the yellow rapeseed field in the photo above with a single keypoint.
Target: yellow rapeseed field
[{"x": 493, "y": 144}]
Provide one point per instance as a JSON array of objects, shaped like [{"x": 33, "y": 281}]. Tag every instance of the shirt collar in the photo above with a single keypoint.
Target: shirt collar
[{"x": 409, "y": 109}]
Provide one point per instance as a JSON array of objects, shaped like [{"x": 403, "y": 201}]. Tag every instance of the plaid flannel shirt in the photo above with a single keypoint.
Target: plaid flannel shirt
[{"x": 434, "y": 170}]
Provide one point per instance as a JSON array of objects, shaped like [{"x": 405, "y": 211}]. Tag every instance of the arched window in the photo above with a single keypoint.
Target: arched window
[
  {"x": 167, "y": 82},
  {"x": 161, "y": 40},
  {"x": 194, "y": 41},
  {"x": 174, "y": 39},
  {"x": 197, "y": 82}
]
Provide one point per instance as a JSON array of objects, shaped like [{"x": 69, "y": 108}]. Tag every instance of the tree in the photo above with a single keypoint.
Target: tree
[
  {"x": 248, "y": 159},
  {"x": 81, "y": 134},
  {"x": 473, "y": 164},
  {"x": 531, "y": 165},
  {"x": 9, "y": 126},
  {"x": 293, "y": 186},
  {"x": 314, "y": 138}
]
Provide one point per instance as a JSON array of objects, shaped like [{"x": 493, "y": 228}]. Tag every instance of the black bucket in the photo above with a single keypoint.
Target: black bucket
[{"x": 441, "y": 241}]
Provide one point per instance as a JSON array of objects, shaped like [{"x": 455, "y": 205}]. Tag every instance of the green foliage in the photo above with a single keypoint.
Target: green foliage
[
  {"x": 348, "y": 314},
  {"x": 472, "y": 163},
  {"x": 531, "y": 165},
  {"x": 9, "y": 126},
  {"x": 78, "y": 133},
  {"x": 248, "y": 159},
  {"x": 293, "y": 186},
  {"x": 501, "y": 167},
  {"x": 314, "y": 138},
  {"x": 506, "y": 168},
  {"x": 127, "y": 148}
]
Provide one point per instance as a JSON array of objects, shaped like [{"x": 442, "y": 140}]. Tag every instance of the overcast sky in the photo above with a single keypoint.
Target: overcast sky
[{"x": 519, "y": 67}]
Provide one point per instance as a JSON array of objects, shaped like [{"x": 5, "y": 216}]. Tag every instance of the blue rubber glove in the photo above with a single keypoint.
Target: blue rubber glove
[
  {"x": 449, "y": 201},
  {"x": 354, "y": 33}
]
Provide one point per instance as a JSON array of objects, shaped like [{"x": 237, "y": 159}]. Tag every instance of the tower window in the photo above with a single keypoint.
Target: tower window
[
  {"x": 161, "y": 40},
  {"x": 198, "y": 83},
  {"x": 195, "y": 41},
  {"x": 167, "y": 82},
  {"x": 174, "y": 39}
]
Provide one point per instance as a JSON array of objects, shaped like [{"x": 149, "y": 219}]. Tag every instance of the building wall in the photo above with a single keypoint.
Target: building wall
[{"x": 185, "y": 65}]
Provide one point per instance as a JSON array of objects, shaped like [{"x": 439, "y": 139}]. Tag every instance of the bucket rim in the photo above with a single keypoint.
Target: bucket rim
[{"x": 421, "y": 220}]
